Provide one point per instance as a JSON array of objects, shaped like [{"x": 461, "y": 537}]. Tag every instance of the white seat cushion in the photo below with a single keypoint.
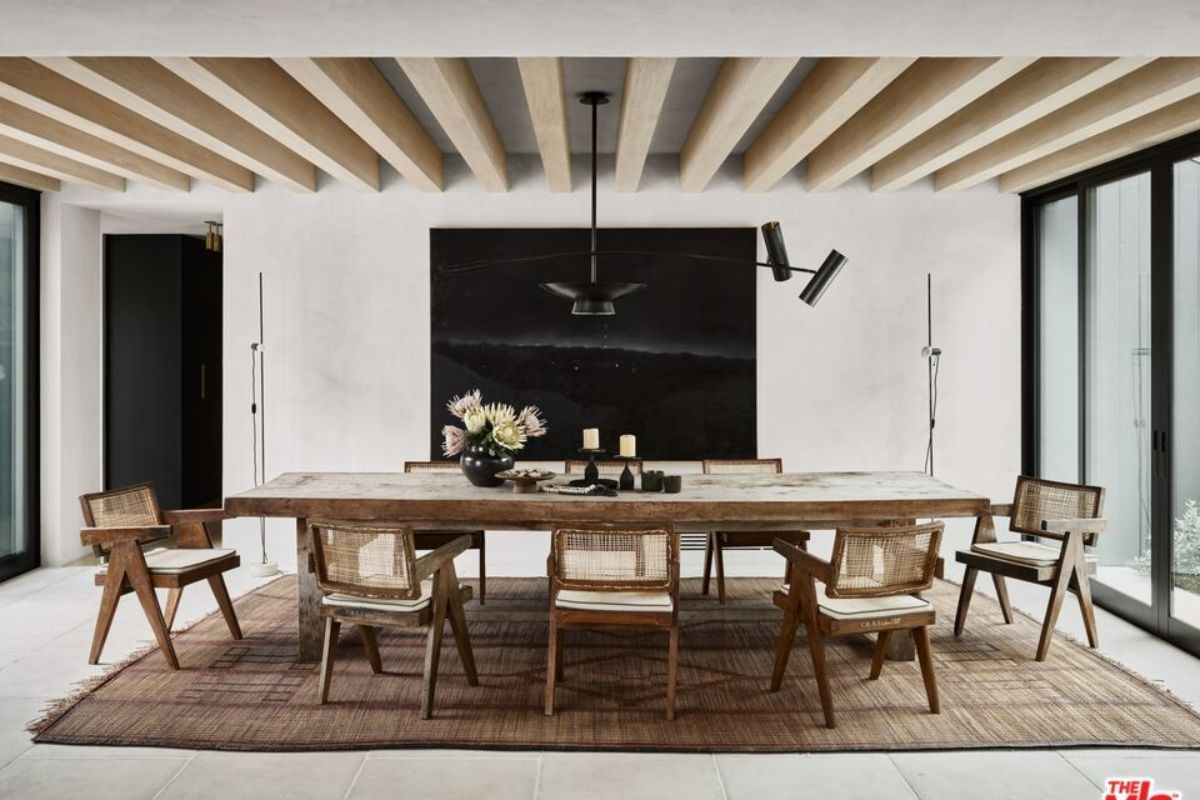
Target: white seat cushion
[
  {"x": 1033, "y": 554},
  {"x": 378, "y": 603},
  {"x": 867, "y": 607},
  {"x": 655, "y": 602},
  {"x": 166, "y": 561}
]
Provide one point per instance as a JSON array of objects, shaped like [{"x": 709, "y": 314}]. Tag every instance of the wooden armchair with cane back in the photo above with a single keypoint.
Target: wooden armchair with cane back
[
  {"x": 430, "y": 540},
  {"x": 372, "y": 578},
  {"x": 1066, "y": 512},
  {"x": 119, "y": 522},
  {"x": 720, "y": 541},
  {"x": 618, "y": 575},
  {"x": 871, "y": 584}
]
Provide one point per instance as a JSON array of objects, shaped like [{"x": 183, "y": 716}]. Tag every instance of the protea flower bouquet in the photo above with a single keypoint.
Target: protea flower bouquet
[{"x": 489, "y": 435}]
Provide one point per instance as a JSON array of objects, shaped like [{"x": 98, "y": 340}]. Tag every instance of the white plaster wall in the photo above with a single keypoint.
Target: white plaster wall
[{"x": 841, "y": 386}]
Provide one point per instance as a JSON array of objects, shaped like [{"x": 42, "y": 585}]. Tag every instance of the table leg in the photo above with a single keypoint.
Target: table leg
[{"x": 308, "y": 598}]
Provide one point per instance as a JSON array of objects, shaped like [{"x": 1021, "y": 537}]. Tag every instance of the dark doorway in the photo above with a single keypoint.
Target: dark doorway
[{"x": 162, "y": 367}]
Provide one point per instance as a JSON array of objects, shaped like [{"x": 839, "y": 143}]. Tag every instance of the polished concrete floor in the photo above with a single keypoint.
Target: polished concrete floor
[{"x": 46, "y": 620}]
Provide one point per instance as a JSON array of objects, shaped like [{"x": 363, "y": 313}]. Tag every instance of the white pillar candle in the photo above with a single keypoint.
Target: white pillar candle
[
  {"x": 591, "y": 438},
  {"x": 628, "y": 445}
]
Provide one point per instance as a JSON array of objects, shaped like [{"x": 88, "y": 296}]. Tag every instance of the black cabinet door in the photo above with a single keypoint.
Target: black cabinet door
[{"x": 201, "y": 383}]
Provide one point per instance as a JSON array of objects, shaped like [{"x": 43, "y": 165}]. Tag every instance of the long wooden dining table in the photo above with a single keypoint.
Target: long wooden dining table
[{"x": 752, "y": 502}]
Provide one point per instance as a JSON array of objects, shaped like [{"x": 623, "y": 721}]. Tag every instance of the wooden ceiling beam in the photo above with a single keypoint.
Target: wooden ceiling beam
[
  {"x": 835, "y": 90},
  {"x": 147, "y": 88},
  {"x": 1157, "y": 126},
  {"x": 924, "y": 95},
  {"x": 29, "y": 179},
  {"x": 642, "y": 98},
  {"x": 262, "y": 93},
  {"x": 18, "y": 122},
  {"x": 545, "y": 94},
  {"x": 1047, "y": 85},
  {"x": 17, "y": 153},
  {"x": 742, "y": 88},
  {"x": 449, "y": 88},
  {"x": 32, "y": 85},
  {"x": 1154, "y": 86},
  {"x": 357, "y": 93}
]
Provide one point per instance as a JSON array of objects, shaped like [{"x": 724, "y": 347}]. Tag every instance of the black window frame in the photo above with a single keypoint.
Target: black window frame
[{"x": 31, "y": 201}]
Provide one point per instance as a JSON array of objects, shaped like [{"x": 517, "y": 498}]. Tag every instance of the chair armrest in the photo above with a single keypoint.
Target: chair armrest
[
  {"x": 110, "y": 536},
  {"x": 1085, "y": 525},
  {"x": 183, "y": 516},
  {"x": 1000, "y": 509},
  {"x": 809, "y": 564},
  {"x": 430, "y": 563}
]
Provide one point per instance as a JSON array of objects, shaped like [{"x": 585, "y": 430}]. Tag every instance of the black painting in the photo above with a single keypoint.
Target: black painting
[{"x": 675, "y": 365}]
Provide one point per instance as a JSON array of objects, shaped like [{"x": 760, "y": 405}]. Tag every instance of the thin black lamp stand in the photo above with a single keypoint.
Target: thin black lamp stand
[
  {"x": 258, "y": 406},
  {"x": 933, "y": 357}
]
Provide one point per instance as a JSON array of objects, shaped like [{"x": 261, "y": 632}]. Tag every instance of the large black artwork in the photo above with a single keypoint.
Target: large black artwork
[{"x": 675, "y": 365}]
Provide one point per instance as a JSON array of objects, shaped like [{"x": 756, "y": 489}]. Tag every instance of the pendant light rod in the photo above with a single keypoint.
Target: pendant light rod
[
  {"x": 475, "y": 266},
  {"x": 595, "y": 100}
]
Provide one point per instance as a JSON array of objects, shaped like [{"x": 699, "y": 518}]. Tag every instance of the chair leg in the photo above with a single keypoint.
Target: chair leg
[
  {"x": 482, "y": 570},
  {"x": 173, "y": 598},
  {"x": 708, "y": 559},
  {"x": 371, "y": 645},
  {"x": 816, "y": 646},
  {"x": 1058, "y": 592},
  {"x": 332, "y": 628},
  {"x": 672, "y": 671},
  {"x": 1083, "y": 591},
  {"x": 139, "y": 578},
  {"x": 964, "y": 600},
  {"x": 217, "y": 582},
  {"x": 552, "y": 655},
  {"x": 881, "y": 648},
  {"x": 1002, "y": 596},
  {"x": 719, "y": 557},
  {"x": 458, "y": 625},
  {"x": 560, "y": 663},
  {"x": 433, "y": 646},
  {"x": 783, "y": 649},
  {"x": 925, "y": 654},
  {"x": 108, "y": 609}
]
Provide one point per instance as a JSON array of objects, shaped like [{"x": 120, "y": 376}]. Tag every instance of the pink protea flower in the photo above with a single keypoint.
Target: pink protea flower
[
  {"x": 454, "y": 440},
  {"x": 461, "y": 405},
  {"x": 532, "y": 421}
]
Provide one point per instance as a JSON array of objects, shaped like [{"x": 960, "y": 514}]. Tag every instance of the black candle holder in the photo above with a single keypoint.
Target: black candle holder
[
  {"x": 591, "y": 473},
  {"x": 625, "y": 483}
]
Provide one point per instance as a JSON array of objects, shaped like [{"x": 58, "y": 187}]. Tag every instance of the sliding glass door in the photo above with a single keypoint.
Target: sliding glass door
[
  {"x": 18, "y": 395},
  {"x": 1112, "y": 351}
]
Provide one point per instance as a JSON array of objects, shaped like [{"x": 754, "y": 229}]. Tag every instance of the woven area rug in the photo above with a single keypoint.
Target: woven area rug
[{"x": 253, "y": 695}]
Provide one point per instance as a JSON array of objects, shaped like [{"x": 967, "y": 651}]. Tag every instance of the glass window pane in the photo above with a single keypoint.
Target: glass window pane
[
  {"x": 1185, "y": 450},
  {"x": 1118, "y": 454},
  {"x": 1058, "y": 340},
  {"x": 12, "y": 380}
]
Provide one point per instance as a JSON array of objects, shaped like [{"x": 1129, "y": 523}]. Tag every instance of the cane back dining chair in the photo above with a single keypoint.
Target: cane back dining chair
[
  {"x": 430, "y": 539},
  {"x": 871, "y": 584},
  {"x": 720, "y": 541},
  {"x": 613, "y": 575},
  {"x": 1066, "y": 512},
  {"x": 119, "y": 522},
  {"x": 371, "y": 577}
]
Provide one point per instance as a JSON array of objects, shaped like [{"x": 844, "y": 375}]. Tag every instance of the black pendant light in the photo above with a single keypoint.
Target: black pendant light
[{"x": 595, "y": 297}]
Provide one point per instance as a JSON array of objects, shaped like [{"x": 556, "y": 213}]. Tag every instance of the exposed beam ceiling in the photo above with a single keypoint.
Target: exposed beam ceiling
[
  {"x": 28, "y": 178},
  {"x": 642, "y": 98},
  {"x": 742, "y": 88},
  {"x": 1157, "y": 126},
  {"x": 147, "y": 88},
  {"x": 831, "y": 94},
  {"x": 928, "y": 92},
  {"x": 37, "y": 129},
  {"x": 448, "y": 87},
  {"x": 1046, "y": 86},
  {"x": 42, "y": 90},
  {"x": 1150, "y": 88},
  {"x": 546, "y": 98},
  {"x": 17, "y": 153},
  {"x": 258, "y": 90},
  {"x": 355, "y": 90}
]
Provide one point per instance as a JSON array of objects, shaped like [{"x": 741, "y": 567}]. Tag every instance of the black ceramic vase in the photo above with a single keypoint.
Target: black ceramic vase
[{"x": 481, "y": 468}]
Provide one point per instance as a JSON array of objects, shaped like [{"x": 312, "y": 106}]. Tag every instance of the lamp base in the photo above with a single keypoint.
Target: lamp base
[{"x": 263, "y": 570}]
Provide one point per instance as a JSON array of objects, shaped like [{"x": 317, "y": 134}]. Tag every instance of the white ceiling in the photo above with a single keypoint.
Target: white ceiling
[{"x": 702, "y": 28}]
